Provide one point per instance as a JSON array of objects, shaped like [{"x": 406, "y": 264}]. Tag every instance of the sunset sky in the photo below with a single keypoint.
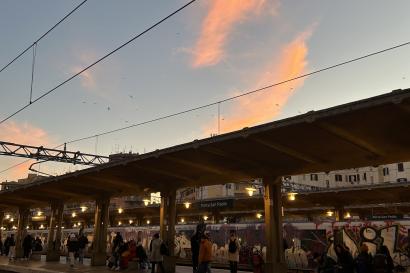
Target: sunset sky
[{"x": 212, "y": 50}]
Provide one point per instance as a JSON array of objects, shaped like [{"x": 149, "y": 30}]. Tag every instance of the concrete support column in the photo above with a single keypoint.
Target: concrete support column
[
  {"x": 54, "y": 234},
  {"x": 170, "y": 261},
  {"x": 24, "y": 214},
  {"x": 275, "y": 256},
  {"x": 162, "y": 217},
  {"x": 340, "y": 214},
  {"x": 1, "y": 220},
  {"x": 99, "y": 253}
]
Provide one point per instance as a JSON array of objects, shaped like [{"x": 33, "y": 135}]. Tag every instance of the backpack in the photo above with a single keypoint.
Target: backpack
[
  {"x": 380, "y": 263},
  {"x": 232, "y": 246},
  {"x": 163, "y": 250}
]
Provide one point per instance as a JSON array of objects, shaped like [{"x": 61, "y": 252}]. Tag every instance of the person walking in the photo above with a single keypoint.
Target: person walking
[
  {"x": 12, "y": 248},
  {"x": 233, "y": 252},
  {"x": 82, "y": 244},
  {"x": 27, "y": 246},
  {"x": 156, "y": 256},
  {"x": 205, "y": 254},
  {"x": 72, "y": 245}
]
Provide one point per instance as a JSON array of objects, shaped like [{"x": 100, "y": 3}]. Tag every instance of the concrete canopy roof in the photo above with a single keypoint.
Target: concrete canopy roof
[{"x": 369, "y": 132}]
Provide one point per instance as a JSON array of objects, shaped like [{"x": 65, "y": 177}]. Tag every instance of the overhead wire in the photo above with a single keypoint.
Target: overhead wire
[
  {"x": 228, "y": 99},
  {"x": 240, "y": 95},
  {"x": 98, "y": 61},
  {"x": 42, "y": 36}
]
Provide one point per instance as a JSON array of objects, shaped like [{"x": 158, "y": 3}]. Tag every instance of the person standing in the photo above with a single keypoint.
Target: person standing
[
  {"x": 205, "y": 254},
  {"x": 82, "y": 244},
  {"x": 383, "y": 262},
  {"x": 118, "y": 242},
  {"x": 27, "y": 246},
  {"x": 364, "y": 260},
  {"x": 72, "y": 245},
  {"x": 12, "y": 248},
  {"x": 233, "y": 252},
  {"x": 155, "y": 255},
  {"x": 195, "y": 242},
  {"x": 344, "y": 259}
]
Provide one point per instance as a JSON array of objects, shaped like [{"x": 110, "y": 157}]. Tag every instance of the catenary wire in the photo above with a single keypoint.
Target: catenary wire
[
  {"x": 99, "y": 60},
  {"x": 41, "y": 37},
  {"x": 240, "y": 95},
  {"x": 227, "y": 99}
]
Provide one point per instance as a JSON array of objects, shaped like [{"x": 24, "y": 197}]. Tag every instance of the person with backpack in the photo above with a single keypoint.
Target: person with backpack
[
  {"x": 363, "y": 261},
  {"x": 157, "y": 252},
  {"x": 383, "y": 262},
  {"x": 233, "y": 252},
  {"x": 82, "y": 244}
]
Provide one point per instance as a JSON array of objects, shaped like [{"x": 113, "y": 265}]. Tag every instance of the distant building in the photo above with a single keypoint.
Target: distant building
[{"x": 9, "y": 185}]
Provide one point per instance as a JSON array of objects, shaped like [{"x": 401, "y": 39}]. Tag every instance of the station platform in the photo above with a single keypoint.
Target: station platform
[{"x": 40, "y": 266}]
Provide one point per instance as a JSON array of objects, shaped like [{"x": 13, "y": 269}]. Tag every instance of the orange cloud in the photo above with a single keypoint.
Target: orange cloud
[
  {"x": 23, "y": 133},
  {"x": 218, "y": 24},
  {"x": 266, "y": 105},
  {"x": 87, "y": 78}
]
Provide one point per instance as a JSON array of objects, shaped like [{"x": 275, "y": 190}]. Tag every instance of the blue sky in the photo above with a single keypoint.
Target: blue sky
[{"x": 263, "y": 41}]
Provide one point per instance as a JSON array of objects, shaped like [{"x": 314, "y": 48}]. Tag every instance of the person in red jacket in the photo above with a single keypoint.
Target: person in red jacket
[{"x": 205, "y": 254}]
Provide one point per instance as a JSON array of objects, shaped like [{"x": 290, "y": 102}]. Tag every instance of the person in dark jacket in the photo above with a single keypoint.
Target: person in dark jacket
[
  {"x": 364, "y": 260},
  {"x": 118, "y": 243},
  {"x": 344, "y": 259},
  {"x": 72, "y": 245},
  {"x": 325, "y": 263},
  {"x": 383, "y": 262},
  {"x": 12, "y": 247},
  {"x": 7, "y": 246},
  {"x": 82, "y": 244},
  {"x": 27, "y": 246},
  {"x": 195, "y": 242}
]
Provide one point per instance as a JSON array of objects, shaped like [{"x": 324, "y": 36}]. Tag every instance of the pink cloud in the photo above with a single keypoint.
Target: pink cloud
[
  {"x": 22, "y": 133},
  {"x": 266, "y": 105},
  {"x": 218, "y": 24}
]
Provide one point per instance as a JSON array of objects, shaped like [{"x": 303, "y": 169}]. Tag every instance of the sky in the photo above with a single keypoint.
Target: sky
[{"x": 212, "y": 50}]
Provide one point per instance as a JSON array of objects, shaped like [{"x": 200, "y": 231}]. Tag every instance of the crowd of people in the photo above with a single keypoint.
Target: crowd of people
[
  {"x": 30, "y": 244},
  {"x": 381, "y": 262}
]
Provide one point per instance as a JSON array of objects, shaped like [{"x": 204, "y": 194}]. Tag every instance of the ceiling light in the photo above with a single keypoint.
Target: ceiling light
[{"x": 292, "y": 196}]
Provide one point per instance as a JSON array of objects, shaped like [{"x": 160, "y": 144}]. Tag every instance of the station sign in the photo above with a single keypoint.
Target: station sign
[
  {"x": 387, "y": 217},
  {"x": 228, "y": 203}
]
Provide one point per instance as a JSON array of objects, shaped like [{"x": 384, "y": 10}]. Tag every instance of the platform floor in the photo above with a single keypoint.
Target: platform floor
[{"x": 62, "y": 267}]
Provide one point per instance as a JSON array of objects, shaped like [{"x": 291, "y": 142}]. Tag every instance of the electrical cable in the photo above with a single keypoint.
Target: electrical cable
[
  {"x": 99, "y": 60},
  {"x": 227, "y": 99},
  {"x": 240, "y": 95},
  {"x": 41, "y": 37}
]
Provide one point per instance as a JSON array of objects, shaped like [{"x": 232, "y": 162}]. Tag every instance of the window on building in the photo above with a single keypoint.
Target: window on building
[
  {"x": 314, "y": 177},
  {"x": 364, "y": 177},
  {"x": 338, "y": 178},
  {"x": 385, "y": 171},
  {"x": 237, "y": 187},
  {"x": 357, "y": 177},
  {"x": 228, "y": 186},
  {"x": 400, "y": 167}
]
